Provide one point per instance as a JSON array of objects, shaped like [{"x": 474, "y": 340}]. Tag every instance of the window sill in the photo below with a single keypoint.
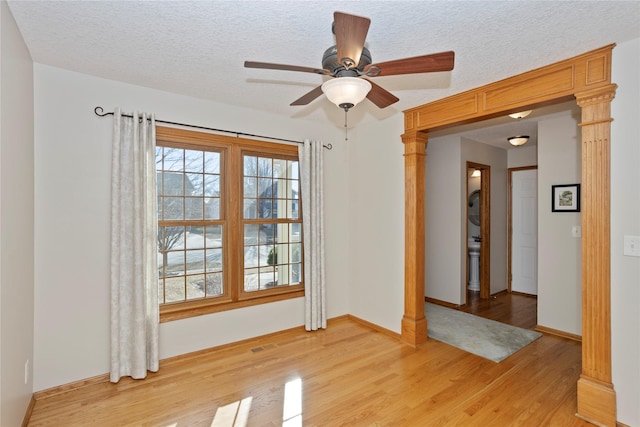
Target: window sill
[{"x": 172, "y": 312}]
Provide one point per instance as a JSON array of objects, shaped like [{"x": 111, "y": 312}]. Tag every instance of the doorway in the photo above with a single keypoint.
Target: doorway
[
  {"x": 586, "y": 77},
  {"x": 478, "y": 229}
]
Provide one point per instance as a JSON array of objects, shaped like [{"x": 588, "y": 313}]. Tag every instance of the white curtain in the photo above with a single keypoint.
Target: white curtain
[
  {"x": 311, "y": 166},
  {"x": 134, "y": 264}
]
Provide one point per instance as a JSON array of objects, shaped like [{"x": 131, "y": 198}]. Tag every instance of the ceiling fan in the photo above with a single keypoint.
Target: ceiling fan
[{"x": 350, "y": 62}]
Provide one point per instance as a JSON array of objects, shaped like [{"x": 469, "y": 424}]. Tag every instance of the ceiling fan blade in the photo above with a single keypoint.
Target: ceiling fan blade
[
  {"x": 381, "y": 97},
  {"x": 442, "y": 61},
  {"x": 308, "y": 97},
  {"x": 351, "y": 32},
  {"x": 270, "y": 66}
]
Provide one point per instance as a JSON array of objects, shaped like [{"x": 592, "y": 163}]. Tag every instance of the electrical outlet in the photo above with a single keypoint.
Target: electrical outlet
[
  {"x": 26, "y": 372},
  {"x": 632, "y": 245}
]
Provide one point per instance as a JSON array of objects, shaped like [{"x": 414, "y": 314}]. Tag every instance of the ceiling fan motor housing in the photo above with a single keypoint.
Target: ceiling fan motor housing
[{"x": 331, "y": 62}]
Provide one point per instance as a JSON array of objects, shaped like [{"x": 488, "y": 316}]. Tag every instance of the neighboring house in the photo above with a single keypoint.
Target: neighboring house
[
  {"x": 178, "y": 184},
  {"x": 266, "y": 206}
]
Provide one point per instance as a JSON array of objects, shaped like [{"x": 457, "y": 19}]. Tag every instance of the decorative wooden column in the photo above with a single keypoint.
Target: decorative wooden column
[
  {"x": 414, "y": 323},
  {"x": 596, "y": 396}
]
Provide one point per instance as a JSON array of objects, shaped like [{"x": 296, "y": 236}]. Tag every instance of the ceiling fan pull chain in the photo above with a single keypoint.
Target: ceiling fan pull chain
[{"x": 346, "y": 129}]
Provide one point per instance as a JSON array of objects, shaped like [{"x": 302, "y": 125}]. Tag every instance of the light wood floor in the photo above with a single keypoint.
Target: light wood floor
[{"x": 347, "y": 375}]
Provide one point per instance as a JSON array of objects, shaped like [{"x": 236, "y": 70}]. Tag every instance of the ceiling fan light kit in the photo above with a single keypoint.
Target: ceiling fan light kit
[
  {"x": 349, "y": 65},
  {"x": 518, "y": 140},
  {"x": 346, "y": 92}
]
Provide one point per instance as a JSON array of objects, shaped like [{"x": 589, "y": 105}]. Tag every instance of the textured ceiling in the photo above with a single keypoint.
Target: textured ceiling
[{"x": 198, "y": 48}]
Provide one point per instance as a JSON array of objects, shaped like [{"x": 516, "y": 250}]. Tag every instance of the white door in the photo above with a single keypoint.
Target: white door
[{"x": 524, "y": 238}]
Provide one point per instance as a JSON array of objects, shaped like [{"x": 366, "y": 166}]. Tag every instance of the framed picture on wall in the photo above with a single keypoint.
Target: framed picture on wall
[{"x": 565, "y": 198}]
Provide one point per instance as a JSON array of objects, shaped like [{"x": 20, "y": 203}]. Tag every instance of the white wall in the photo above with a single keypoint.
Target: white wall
[
  {"x": 523, "y": 155},
  {"x": 376, "y": 217},
  {"x": 625, "y": 220},
  {"x": 559, "y": 253},
  {"x": 72, "y": 191},
  {"x": 16, "y": 221},
  {"x": 444, "y": 264}
]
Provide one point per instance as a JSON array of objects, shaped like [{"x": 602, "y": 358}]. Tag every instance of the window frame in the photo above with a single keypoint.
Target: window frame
[{"x": 232, "y": 150}]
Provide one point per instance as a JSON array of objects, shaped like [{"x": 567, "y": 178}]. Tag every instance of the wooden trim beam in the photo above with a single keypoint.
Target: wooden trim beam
[
  {"x": 587, "y": 78},
  {"x": 544, "y": 86}
]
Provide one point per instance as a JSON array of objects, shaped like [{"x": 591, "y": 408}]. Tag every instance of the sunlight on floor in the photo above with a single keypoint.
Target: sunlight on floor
[
  {"x": 235, "y": 414},
  {"x": 292, "y": 411}
]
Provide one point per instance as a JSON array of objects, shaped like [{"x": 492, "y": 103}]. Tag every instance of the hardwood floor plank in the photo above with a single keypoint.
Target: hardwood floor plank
[
  {"x": 515, "y": 309},
  {"x": 348, "y": 375}
]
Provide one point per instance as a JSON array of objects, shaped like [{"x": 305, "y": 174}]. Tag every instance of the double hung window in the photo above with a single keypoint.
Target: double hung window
[{"x": 229, "y": 222}]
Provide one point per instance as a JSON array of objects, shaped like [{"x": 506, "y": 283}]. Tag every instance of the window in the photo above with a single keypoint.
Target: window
[
  {"x": 271, "y": 222},
  {"x": 229, "y": 223}
]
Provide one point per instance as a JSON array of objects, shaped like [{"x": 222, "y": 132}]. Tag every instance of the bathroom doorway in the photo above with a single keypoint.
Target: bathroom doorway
[{"x": 478, "y": 229}]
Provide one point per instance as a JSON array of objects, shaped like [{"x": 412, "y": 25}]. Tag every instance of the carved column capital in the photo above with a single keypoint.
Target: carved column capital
[
  {"x": 415, "y": 138},
  {"x": 596, "y": 96}
]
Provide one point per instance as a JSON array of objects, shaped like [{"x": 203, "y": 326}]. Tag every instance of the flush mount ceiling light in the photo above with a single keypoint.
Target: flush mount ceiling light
[
  {"x": 520, "y": 115},
  {"x": 476, "y": 173},
  {"x": 518, "y": 140},
  {"x": 346, "y": 92}
]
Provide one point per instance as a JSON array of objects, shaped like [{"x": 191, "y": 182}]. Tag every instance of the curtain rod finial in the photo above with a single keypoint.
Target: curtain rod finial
[{"x": 99, "y": 111}]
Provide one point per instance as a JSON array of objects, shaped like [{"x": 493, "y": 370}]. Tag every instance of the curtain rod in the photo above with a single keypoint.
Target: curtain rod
[{"x": 99, "y": 111}]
